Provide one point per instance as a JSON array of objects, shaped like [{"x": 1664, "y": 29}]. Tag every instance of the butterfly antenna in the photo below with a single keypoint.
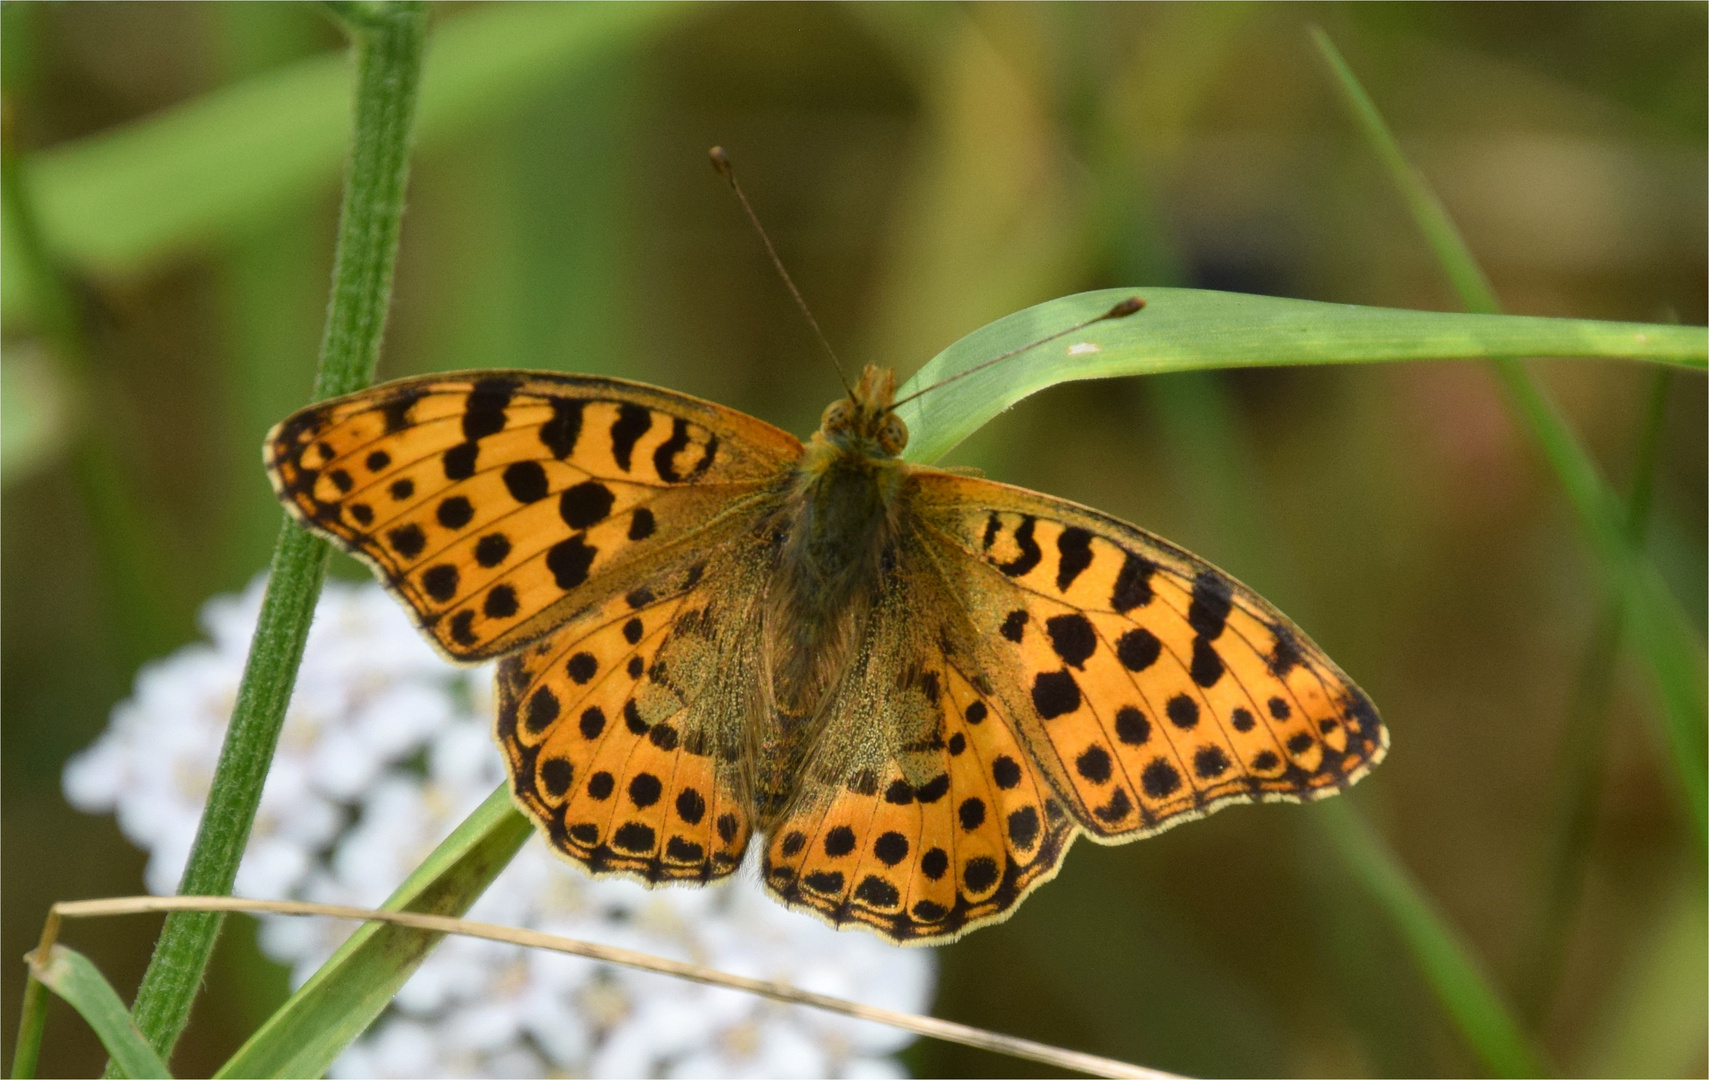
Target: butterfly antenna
[
  {"x": 1120, "y": 311},
  {"x": 721, "y": 162}
]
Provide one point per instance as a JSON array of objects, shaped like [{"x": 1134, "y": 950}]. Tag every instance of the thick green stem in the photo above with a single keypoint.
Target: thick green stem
[{"x": 388, "y": 40}]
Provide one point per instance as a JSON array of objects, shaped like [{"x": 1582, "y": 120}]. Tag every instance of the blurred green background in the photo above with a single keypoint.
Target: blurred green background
[{"x": 923, "y": 170}]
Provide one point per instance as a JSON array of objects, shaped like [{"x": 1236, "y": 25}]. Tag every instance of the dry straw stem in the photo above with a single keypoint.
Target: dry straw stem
[{"x": 948, "y": 1031}]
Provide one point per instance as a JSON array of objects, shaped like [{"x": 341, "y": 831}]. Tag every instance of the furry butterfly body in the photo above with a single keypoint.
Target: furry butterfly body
[{"x": 918, "y": 686}]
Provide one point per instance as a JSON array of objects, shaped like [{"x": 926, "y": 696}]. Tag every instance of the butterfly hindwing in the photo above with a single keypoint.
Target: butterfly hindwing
[
  {"x": 921, "y": 815},
  {"x": 1153, "y": 687},
  {"x": 623, "y": 738},
  {"x": 496, "y": 504}
]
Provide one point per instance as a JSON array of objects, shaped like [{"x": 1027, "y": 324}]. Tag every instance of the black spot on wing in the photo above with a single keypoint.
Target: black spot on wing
[
  {"x": 876, "y": 891},
  {"x": 526, "y": 481},
  {"x": 1210, "y": 762},
  {"x": 398, "y": 408},
  {"x": 1212, "y": 600},
  {"x": 492, "y": 549},
  {"x": 1286, "y": 654},
  {"x": 1072, "y": 638},
  {"x": 632, "y": 422},
  {"x": 1207, "y": 666},
  {"x": 1030, "y": 555},
  {"x": 559, "y": 434},
  {"x": 690, "y": 806},
  {"x": 586, "y": 504},
  {"x": 440, "y": 581},
  {"x": 1074, "y": 551},
  {"x": 500, "y": 603},
  {"x": 485, "y": 407},
  {"x": 1138, "y": 649},
  {"x": 664, "y": 458},
  {"x": 455, "y": 512},
  {"x": 1159, "y": 779},
  {"x": 407, "y": 540},
  {"x": 1183, "y": 711},
  {"x": 891, "y": 848},
  {"x": 569, "y": 560},
  {"x": 1133, "y": 583},
  {"x": 1132, "y": 727},
  {"x": 1014, "y": 625},
  {"x": 463, "y": 628},
  {"x": 1055, "y": 693},
  {"x": 459, "y": 461}
]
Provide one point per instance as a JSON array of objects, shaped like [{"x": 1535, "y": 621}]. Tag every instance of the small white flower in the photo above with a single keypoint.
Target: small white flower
[{"x": 384, "y": 750}]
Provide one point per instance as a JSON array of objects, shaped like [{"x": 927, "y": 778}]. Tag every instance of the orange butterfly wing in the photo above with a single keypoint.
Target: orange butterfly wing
[
  {"x": 923, "y": 860},
  {"x": 1152, "y": 687},
  {"x": 496, "y": 504},
  {"x": 621, "y": 743}
]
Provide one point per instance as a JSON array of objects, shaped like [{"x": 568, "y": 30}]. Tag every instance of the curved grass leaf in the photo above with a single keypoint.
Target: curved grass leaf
[
  {"x": 1195, "y": 329},
  {"x": 73, "y": 977},
  {"x": 340, "y": 1000}
]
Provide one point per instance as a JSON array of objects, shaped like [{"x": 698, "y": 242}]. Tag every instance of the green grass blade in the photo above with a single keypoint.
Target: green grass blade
[
  {"x": 121, "y": 200},
  {"x": 388, "y": 41},
  {"x": 70, "y": 975},
  {"x": 1195, "y": 329},
  {"x": 1663, "y": 637},
  {"x": 32, "y": 1018},
  {"x": 1584, "y": 740},
  {"x": 352, "y": 988},
  {"x": 1447, "y": 962}
]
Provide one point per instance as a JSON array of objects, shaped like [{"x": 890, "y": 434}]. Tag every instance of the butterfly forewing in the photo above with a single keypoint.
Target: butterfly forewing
[
  {"x": 1150, "y": 685},
  {"x": 495, "y": 504}
]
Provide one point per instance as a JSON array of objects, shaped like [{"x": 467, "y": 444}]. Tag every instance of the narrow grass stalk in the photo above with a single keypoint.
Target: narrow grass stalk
[
  {"x": 1448, "y": 964},
  {"x": 438, "y": 925},
  {"x": 388, "y": 40},
  {"x": 1579, "y": 761},
  {"x": 31, "y": 1021},
  {"x": 1660, "y": 632}
]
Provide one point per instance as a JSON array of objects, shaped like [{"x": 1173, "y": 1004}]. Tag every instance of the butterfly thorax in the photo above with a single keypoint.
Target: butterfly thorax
[{"x": 836, "y": 533}]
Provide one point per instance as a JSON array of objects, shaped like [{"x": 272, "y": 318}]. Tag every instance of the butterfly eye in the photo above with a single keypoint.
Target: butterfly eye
[
  {"x": 893, "y": 436},
  {"x": 836, "y": 416}
]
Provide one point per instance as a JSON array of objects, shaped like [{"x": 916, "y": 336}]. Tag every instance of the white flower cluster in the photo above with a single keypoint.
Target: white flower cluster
[{"x": 385, "y": 749}]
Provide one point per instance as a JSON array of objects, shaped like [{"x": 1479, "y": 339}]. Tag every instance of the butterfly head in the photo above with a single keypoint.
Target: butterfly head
[{"x": 863, "y": 421}]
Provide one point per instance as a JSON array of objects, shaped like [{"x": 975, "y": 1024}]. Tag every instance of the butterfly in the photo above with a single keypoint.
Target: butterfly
[{"x": 917, "y": 686}]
